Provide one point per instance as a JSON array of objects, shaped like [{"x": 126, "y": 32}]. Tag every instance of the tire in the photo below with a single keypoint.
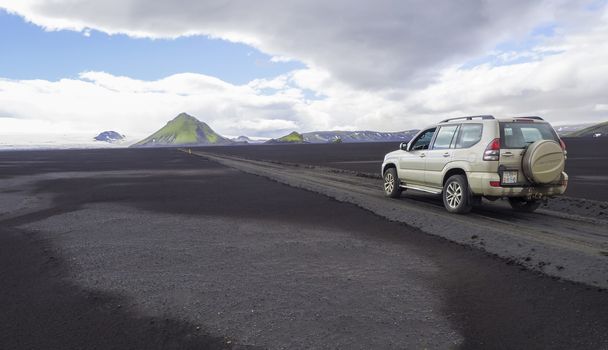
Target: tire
[
  {"x": 543, "y": 162},
  {"x": 456, "y": 197},
  {"x": 524, "y": 206},
  {"x": 391, "y": 183}
]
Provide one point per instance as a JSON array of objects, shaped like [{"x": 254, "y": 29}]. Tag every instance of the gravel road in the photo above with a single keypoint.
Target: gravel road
[
  {"x": 587, "y": 163},
  {"x": 570, "y": 243}
]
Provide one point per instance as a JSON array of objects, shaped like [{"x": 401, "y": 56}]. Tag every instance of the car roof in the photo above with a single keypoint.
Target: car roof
[{"x": 490, "y": 119}]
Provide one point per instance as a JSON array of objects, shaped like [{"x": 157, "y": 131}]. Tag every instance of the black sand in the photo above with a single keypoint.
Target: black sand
[{"x": 314, "y": 272}]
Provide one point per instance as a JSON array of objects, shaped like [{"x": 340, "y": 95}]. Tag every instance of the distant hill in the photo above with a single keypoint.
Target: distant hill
[
  {"x": 563, "y": 130},
  {"x": 187, "y": 130},
  {"x": 596, "y": 130},
  {"x": 241, "y": 139},
  {"x": 247, "y": 140},
  {"x": 345, "y": 137},
  {"x": 184, "y": 130},
  {"x": 358, "y": 136},
  {"x": 109, "y": 136},
  {"x": 293, "y": 137}
]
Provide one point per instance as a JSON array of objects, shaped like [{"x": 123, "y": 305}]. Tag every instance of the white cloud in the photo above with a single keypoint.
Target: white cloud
[
  {"x": 267, "y": 124},
  {"x": 281, "y": 59},
  {"x": 100, "y": 101},
  {"x": 561, "y": 87},
  {"x": 367, "y": 44}
]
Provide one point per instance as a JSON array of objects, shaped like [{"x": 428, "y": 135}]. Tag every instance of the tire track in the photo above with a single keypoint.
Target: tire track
[{"x": 560, "y": 246}]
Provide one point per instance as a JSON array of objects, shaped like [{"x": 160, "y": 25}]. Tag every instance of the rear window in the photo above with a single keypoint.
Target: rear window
[{"x": 521, "y": 134}]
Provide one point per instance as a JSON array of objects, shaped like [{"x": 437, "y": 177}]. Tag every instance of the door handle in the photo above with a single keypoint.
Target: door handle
[
  {"x": 422, "y": 155},
  {"x": 507, "y": 154},
  {"x": 446, "y": 154}
]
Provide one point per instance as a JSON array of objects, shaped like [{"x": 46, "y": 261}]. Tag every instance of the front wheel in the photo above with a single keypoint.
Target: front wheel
[
  {"x": 456, "y": 198},
  {"x": 523, "y": 205},
  {"x": 391, "y": 183}
]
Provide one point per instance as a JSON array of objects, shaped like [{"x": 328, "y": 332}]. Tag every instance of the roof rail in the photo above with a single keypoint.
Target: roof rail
[
  {"x": 530, "y": 117},
  {"x": 468, "y": 118}
]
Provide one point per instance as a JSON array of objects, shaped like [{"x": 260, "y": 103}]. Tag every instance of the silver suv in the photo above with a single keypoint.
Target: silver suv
[{"x": 467, "y": 158}]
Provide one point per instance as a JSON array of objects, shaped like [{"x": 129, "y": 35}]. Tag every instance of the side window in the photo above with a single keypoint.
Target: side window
[
  {"x": 423, "y": 141},
  {"x": 469, "y": 135},
  {"x": 444, "y": 137}
]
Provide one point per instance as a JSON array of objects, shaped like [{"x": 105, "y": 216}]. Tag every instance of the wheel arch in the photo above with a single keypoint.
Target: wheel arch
[
  {"x": 452, "y": 172},
  {"x": 388, "y": 166}
]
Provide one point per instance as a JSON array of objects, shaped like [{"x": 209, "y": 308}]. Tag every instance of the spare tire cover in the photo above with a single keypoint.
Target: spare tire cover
[{"x": 543, "y": 162}]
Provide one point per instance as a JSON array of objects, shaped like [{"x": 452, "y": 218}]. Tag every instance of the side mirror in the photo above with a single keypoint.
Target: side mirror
[{"x": 403, "y": 146}]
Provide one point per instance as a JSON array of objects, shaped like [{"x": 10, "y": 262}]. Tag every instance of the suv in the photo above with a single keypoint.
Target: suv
[{"x": 468, "y": 158}]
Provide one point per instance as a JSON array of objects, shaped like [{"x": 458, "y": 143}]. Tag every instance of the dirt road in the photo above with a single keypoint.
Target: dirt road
[
  {"x": 567, "y": 239},
  {"x": 587, "y": 163}
]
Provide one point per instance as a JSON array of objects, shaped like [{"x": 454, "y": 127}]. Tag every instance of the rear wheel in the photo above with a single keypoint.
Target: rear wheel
[
  {"x": 524, "y": 205},
  {"x": 391, "y": 183},
  {"x": 456, "y": 198}
]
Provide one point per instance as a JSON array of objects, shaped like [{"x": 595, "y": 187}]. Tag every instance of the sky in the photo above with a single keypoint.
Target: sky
[{"x": 266, "y": 68}]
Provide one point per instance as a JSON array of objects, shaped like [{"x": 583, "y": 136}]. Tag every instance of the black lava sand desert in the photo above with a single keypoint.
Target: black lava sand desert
[{"x": 157, "y": 249}]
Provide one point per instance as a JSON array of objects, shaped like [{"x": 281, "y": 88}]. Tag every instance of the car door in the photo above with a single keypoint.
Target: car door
[
  {"x": 439, "y": 155},
  {"x": 412, "y": 161}
]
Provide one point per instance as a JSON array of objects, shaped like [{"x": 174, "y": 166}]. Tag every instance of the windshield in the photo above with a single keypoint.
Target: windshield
[
  {"x": 521, "y": 134},
  {"x": 423, "y": 141}
]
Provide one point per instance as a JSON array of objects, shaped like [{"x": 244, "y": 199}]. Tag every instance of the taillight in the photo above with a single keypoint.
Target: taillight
[
  {"x": 492, "y": 152},
  {"x": 561, "y": 143}
]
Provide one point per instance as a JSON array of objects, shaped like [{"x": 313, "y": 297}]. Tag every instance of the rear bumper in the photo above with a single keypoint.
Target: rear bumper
[{"x": 480, "y": 186}]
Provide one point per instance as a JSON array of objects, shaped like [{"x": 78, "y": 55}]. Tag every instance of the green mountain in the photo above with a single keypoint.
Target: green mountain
[
  {"x": 596, "y": 130},
  {"x": 183, "y": 130},
  {"x": 294, "y": 137}
]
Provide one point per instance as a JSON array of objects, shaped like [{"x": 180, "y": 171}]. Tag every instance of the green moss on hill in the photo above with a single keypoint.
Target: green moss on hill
[
  {"x": 293, "y": 137},
  {"x": 183, "y": 130}
]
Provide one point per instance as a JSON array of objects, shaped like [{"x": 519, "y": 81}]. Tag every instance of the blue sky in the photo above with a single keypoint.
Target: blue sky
[
  {"x": 30, "y": 52},
  {"x": 512, "y": 52}
]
